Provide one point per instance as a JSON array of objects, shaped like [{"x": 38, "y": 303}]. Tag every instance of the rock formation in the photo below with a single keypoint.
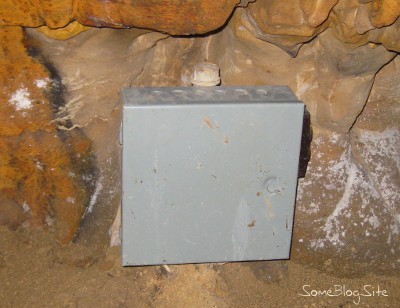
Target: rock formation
[
  {"x": 44, "y": 167},
  {"x": 175, "y": 17}
]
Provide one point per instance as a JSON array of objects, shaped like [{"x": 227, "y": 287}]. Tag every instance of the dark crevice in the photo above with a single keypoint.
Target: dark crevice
[{"x": 369, "y": 95}]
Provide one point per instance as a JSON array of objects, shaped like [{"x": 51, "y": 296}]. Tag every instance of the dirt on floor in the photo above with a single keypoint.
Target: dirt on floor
[{"x": 35, "y": 271}]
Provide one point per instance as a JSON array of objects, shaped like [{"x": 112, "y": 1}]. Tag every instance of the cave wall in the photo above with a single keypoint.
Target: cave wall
[{"x": 60, "y": 106}]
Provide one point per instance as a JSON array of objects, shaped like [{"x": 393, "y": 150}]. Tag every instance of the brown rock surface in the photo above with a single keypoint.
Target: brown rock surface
[
  {"x": 344, "y": 74},
  {"x": 173, "y": 17},
  {"x": 41, "y": 168},
  {"x": 65, "y": 33},
  {"x": 383, "y": 12},
  {"x": 348, "y": 16},
  {"x": 55, "y": 14},
  {"x": 287, "y": 24},
  {"x": 387, "y": 36},
  {"x": 94, "y": 66},
  {"x": 333, "y": 77},
  {"x": 352, "y": 22},
  {"x": 348, "y": 203}
]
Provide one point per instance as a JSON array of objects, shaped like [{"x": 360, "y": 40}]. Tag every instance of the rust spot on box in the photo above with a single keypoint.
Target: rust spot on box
[{"x": 208, "y": 122}]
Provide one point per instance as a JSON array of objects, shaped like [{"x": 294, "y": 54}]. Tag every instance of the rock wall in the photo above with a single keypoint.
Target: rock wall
[
  {"x": 339, "y": 56},
  {"x": 45, "y": 168}
]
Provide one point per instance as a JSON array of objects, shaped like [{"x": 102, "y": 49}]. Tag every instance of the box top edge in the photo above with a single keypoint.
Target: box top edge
[{"x": 223, "y": 94}]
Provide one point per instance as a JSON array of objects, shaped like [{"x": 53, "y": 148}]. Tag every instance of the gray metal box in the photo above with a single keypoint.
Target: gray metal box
[{"x": 208, "y": 174}]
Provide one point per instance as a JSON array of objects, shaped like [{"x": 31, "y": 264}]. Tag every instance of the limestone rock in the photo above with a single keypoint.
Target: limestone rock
[
  {"x": 382, "y": 109},
  {"x": 94, "y": 66},
  {"x": 332, "y": 77},
  {"x": 287, "y": 24},
  {"x": 387, "y": 36},
  {"x": 299, "y": 17},
  {"x": 352, "y": 22},
  {"x": 65, "y": 33},
  {"x": 362, "y": 22},
  {"x": 383, "y": 12},
  {"x": 341, "y": 207},
  {"x": 55, "y": 13},
  {"x": 173, "y": 17},
  {"x": 344, "y": 74},
  {"x": 348, "y": 202},
  {"x": 347, "y": 17},
  {"x": 41, "y": 168}
]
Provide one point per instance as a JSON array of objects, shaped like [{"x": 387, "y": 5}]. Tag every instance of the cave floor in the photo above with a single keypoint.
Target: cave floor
[{"x": 37, "y": 272}]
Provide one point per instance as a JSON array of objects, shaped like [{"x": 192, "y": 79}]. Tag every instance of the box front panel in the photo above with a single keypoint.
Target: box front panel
[{"x": 209, "y": 183}]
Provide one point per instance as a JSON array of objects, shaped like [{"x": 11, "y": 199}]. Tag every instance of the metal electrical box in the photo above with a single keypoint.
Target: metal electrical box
[{"x": 208, "y": 174}]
